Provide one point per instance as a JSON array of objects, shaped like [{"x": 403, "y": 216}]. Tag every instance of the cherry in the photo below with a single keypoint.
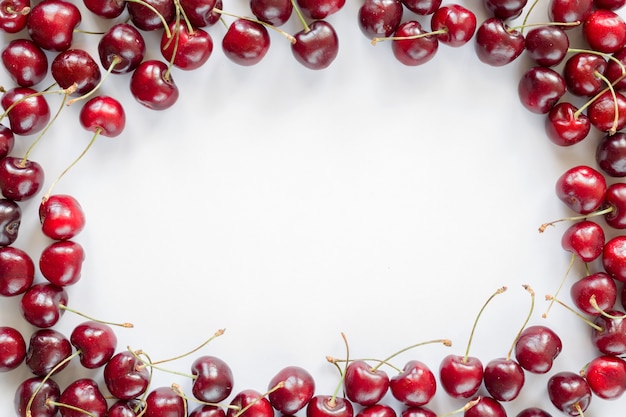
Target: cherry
[
  {"x": 246, "y": 42},
  {"x": 611, "y": 154},
  {"x": 422, "y": 7},
  {"x": 51, "y": 24},
  {"x": 25, "y": 61},
  {"x": 82, "y": 396},
  {"x": 76, "y": 66},
  {"x": 504, "y": 379},
  {"x": 604, "y": 31},
  {"x": 298, "y": 389},
  {"x": 124, "y": 376},
  {"x": 28, "y": 110},
  {"x": 486, "y": 407},
  {"x": 614, "y": 258},
  {"x": 20, "y": 179},
  {"x": 145, "y": 18},
  {"x": 615, "y": 204},
  {"x": 329, "y": 406},
  {"x": 107, "y": 9},
  {"x": 569, "y": 392},
  {"x": 47, "y": 352},
  {"x": 96, "y": 343},
  {"x": 364, "y": 384},
  {"x": 380, "y": 18},
  {"x": 565, "y": 125},
  {"x": 153, "y": 86},
  {"x": 123, "y": 408},
  {"x": 533, "y": 412},
  {"x": 411, "y": 45},
  {"x": 581, "y": 188},
  {"x": 614, "y": 71},
  {"x": 418, "y": 412},
  {"x": 415, "y": 386},
  {"x": 316, "y": 47},
  {"x": 122, "y": 48},
  {"x": 602, "y": 112},
  {"x": 540, "y": 88},
  {"x": 12, "y": 348},
  {"x": 546, "y": 45},
  {"x": 61, "y": 217},
  {"x": 274, "y": 12},
  {"x": 7, "y": 141},
  {"x": 606, "y": 376},
  {"x": 46, "y": 393},
  {"x": 200, "y": 12},
  {"x": 214, "y": 379},
  {"x": 536, "y": 349},
  {"x": 496, "y": 44},
  {"x": 41, "y": 304},
  {"x": 17, "y": 271},
  {"x": 252, "y": 403},
  {"x": 61, "y": 262},
  {"x": 205, "y": 410},
  {"x": 320, "y": 9},
  {"x": 567, "y": 11},
  {"x": 163, "y": 401},
  {"x": 14, "y": 15},
  {"x": 505, "y": 9},
  {"x": 600, "y": 286},
  {"x": 582, "y": 73},
  {"x": 377, "y": 410},
  {"x": 103, "y": 115},
  {"x": 185, "y": 49},
  {"x": 609, "y": 332},
  {"x": 457, "y": 22},
  {"x": 585, "y": 239}
]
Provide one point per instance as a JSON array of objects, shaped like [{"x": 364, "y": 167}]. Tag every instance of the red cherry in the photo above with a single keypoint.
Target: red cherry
[
  {"x": 153, "y": 86},
  {"x": 41, "y": 304},
  {"x": 61, "y": 217},
  {"x": 192, "y": 49},
  {"x": 485, "y": 407},
  {"x": 540, "y": 88},
  {"x": 20, "y": 179},
  {"x": 614, "y": 258},
  {"x": 275, "y": 12},
  {"x": 585, "y": 239},
  {"x": 413, "y": 51},
  {"x": 604, "y": 31},
  {"x": 7, "y": 141},
  {"x": 581, "y": 188},
  {"x": 505, "y": 9},
  {"x": 256, "y": 404},
  {"x": 601, "y": 112},
  {"x": 163, "y": 401},
  {"x": 96, "y": 343},
  {"x": 537, "y": 348},
  {"x": 298, "y": 389},
  {"x": 615, "y": 199},
  {"x": 377, "y": 410},
  {"x": 600, "y": 286},
  {"x": 214, "y": 379},
  {"x": 496, "y": 44},
  {"x": 122, "y": 48},
  {"x": 14, "y": 15},
  {"x": 567, "y": 11},
  {"x": 582, "y": 73},
  {"x": 48, "y": 350},
  {"x": 28, "y": 110},
  {"x": 25, "y": 62},
  {"x": 76, "y": 67},
  {"x": 17, "y": 271},
  {"x": 83, "y": 394},
  {"x": 317, "y": 47},
  {"x": 329, "y": 406},
  {"x": 547, "y": 45},
  {"x": 12, "y": 348},
  {"x": 200, "y": 12},
  {"x": 415, "y": 386},
  {"x": 460, "y": 376},
  {"x": 611, "y": 154},
  {"x": 458, "y": 22},
  {"x": 246, "y": 42},
  {"x": 44, "y": 393},
  {"x": 51, "y": 24},
  {"x": 10, "y": 221},
  {"x": 145, "y": 18},
  {"x": 107, "y": 9},
  {"x": 103, "y": 115},
  {"x": 61, "y": 262},
  {"x": 565, "y": 125},
  {"x": 569, "y": 392},
  {"x": 418, "y": 412},
  {"x": 320, "y": 9},
  {"x": 204, "y": 410},
  {"x": 609, "y": 333},
  {"x": 606, "y": 376},
  {"x": 380, "y": 18},
  {"x": 422, "y": 7},
  {"x": 504, "y": 379},
  {"x": 365, "y": 385},
  {"x": 124, "y": 377}
]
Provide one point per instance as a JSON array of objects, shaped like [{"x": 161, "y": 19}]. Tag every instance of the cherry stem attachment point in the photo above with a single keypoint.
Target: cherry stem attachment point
[
  {"x": 203, "y": 344},
  {"x": 463, "y": 409},
  {"x": 594, "y": 304},
  {"x": 601, "y": 212},
  {"x": 583, "y": 318},
  {"x": 446, "y": 342},
  {"x": 408, "y": 38},
  {"x": 569, "y": 268}
]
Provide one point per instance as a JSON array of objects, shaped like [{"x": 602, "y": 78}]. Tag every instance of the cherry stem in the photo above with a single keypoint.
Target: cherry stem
[
  {"x": 530, "y": 25},
  {"x": 282, "y": 32},
  {"x": 206, "y": 342},
  {"x": 301, "y": 18},
  {"x": 281, "y": 384},
  {"x": 65, "y": 171},
  {"x": 569, "y": 268},
  {"x": 527, "y": 15},
  {"x": 147, "y": 364},
  {"x": 469, "y": 342},
  {"x": 68, "y": 91},
  {"x": 333, "y": 399},
  {"x": 601, "y": 212},
  {"x": 116, "y": 60},
  {"x": 336, "y": 360},
  {"x": 594, "y": 304},
  {"x": 530, "y": 312},
  {"x": 71, "y": 310},
  {"x": 463, "y": 409},
  {"x": 56, "y": 367},
  {"x": 408, "y": 38},
  {"x": 179, "y": 391},
  {"x": 579, "y": 410},
  {"x": 23, "y": 11},
  {"x": 155, "y": 11},
  {"x": 65, "y": 91},
  {"x": 446, "y": 342},
  {"x": 585, "y": 319},
  {"x": 69, "y": 406}
]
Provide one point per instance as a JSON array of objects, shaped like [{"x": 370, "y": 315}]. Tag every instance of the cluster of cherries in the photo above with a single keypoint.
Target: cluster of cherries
[{"x": 576, "y": 89}]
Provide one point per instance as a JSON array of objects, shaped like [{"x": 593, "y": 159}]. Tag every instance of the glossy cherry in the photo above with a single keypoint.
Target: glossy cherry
[
  {"x": 76, "y": 67},
  {"x": 58, "y": 17},
  {"x": 28, "y": 110},
  {"x": 153, "y": 86},
  {"x": 615, "y": 201},
  {"x": 41, "y": 305},
  {"x": 585, "y": 239},
  {"x": 17, "y": 271},
  {"x": 20, "y": 179},
  {"x": 422, "y": 7},
  {"x": 546, "y": 45},
  {"x": 12, "y": 348},
  {"x": 604, "y": 30},
  {"x": 486, "y": 407},
  {"x": 565, "y": 125},
  {"x": 192, "y": 49},
  {"x": 505, "y": 9},
  {"x": 606, "y": 376},
  {"x": 122, "y": 48},
  {"x": 298, "y": 389},
  {"x": 96, "y": 343},
  {"x": 144, "y": 18},
  {"x": 254, "y": 402},
  {"x": 377, "y": 410},
  {"x": 46, "y": 394},
  {"x": 205, "y": 410},
  {"x": 411, "y": 45},
  {"x": 567, "y": 11},
  {"x": 533, "y": 412},
  {"x": 246, "y": 42},
  {"x": 569, "y": 392},
  {"x": 415, "y": 386},
  {"x": 329, "y": 406},
  {"x": 103, "y": 115},
  {"x": 200, "y": 12},
  {"x": 125, "y": 377},
  {"x": 363, "y": 384},
  {"x": 274, "y": 12},
  {"x": 540, "y": 88},
  {"x": 163, "y": 401},
  {"x": 609, "y": 333},
  {"x": 61, "y": 216},
  {"x": 25, "y": 61},
  {"x": 380, "y": 18},
  {"x": 107, "y": 9},
  {"x": 496, "y": 44},
  {"x": 61, "y": 262},
  {"x": 537, "y": 348},
  {"x": 504, "y": 379},
  {"x": 320, "y": 9},
  {"x": 457, "y": 22},
  {"x": 316, "y": 47},
  {"x": 600, "y": 286},
  {"x": 581, "y": 188},
  {"x": 14, "y": 15},
  {"x": 7, "y": 141},
  {"x": 614, "y": 258},
  {"x": 461, "y": 376},
  {"x": 47, "y": 352},
  {"x": 583, "y": 73},
  {"x": 611, "y": 154},
  {"x": 83, "y": 394}
]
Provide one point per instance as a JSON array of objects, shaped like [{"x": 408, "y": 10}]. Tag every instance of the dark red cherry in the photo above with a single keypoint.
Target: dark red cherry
[
  {"x": 103, "y": 115},
  {"x": 122, "y": 48},
  {"x": 540, "y": 88},
  {"x": 41, "y": 304},
  {"x": 214, "y": 379},
  {"x": 457, "y": 22},
  {"x": 583, "y": 73},
  {"x": 614, "y": 72},
  {"x": 363, "y": 384},
  {"x": 107, "y": 9},
  {"x": 255, "y": 403},
  {"x": 601, "y": 112},
  {"x": 604, "y": 30},
  {"x": 153, "y": 86},
  {"x": 415, "y": 386},
  {"x": 581, "y": 188},
  {"x": 163, "y": 401},
  {"x": 533, "y": 412},
  {"x": 12, "y": 348},
  {"x": 418, "y": 412},
  {"x": 537, "y": 348},
  {"x": 17, "y": 271},
  {"x": 83, "y": 394},
  {"x": 567, "y": 11},
  {"x": 615, "y": 199},
  {"x": 377, "y": 410},
  {"x": 609, "y": 4},
  {"x": 96, "y": 342},
  {"x": 606, "y": 376},
  {"x": 200, "y": 12},
  {"x": 329, "y": 406},
  {"x": 585, "y": 239},
  {"x": 505, "y": 9},
  {"x": 317, "y": 47},
  {"x": 20, "y": 179},
  {"x": 46, "y": 393},
  {"x": 7, "y": 141},
  {"x": 320, "y": 9},
  {"x": 130, "y": 408},
  {"x": 422, "y": 7},
  {"x": 246, "y": 42},
  {"x": 145, "y": 18},
  {"x": 547, "y": 45},
  {"x": 298, "y": 389},
  {"x": 28, "y": 110},
  {"x": 569, "y": 392},
  {"x": 566, "y": 125},
  {"x": 609, "y": 336},
  {"x": 614, "y": 258},
  {"x": 76, "y": 67},
  {"x": 125, "y": 377},
  {"x": 611, "y": 154},
  {"x": 600, "y": 286},
  {"x": 61, "y": 217},
  {"x": 504, "y": 379},
  {"x": 460, "y": 376},
  {"x": 48, "y": 350},
  {"x": 486, "y": 407},
  {"x": 14, "y": 15},
  {"x": 205, "y": 410},
  {"x": 413, "y": 51},
  {"x": 496, "y": 44},
  {"x": 61, "y": 262},
  {"x": 51, "y": 24},
  {"x": 10, "y": 220},
  {"x": 192, "y": 49},
  {"x": 274, "y": 12},
  {"x": 25, "y": 61},
  {"x": 380, "y": 18}
]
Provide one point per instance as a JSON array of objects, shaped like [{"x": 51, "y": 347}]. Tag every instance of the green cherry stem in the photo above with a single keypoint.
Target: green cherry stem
[
  {"x": 69, "y": 407},
  {"x": 445, "y": 342},
  {"x": 594, "y": 304},
  {"x": 601, "y": 212},
  {"x": 301, "y": 18},
  {"x": 125, "y": 325},
  {"x": 206, "y": 342},
  {"x": 530, "y": 312},
  {"x": 471, "y": 337},
  {"x": 403, "y": 38},
  {"x": 558, "y": 290},
  {"x": 583, "y": 318},
  {"x": 282, "y": 32},
  {"x": 168, "y": 33},
  {"x": 116, "y": 60}
]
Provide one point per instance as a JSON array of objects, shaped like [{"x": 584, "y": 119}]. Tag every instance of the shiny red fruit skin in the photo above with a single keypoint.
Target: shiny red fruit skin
[
  {"x": 328, "y": 406},
  {"x": 58, "y": 17},
  {"x": 26, "y": 62},
  {"x": 581, "y": 188},
  {"x": 151, "y": 85},
  {"x": 564, "y": 127},
  {"x": 61, "y": 217},
  {"x": 461, "y": 377},
  {"x": 17, "y": 271},
  {"x": 606, "y": 376},
  {"x": 318, "y": 47},
  {"x": 298, "y": 389},
  {"x": 246, "y": 42},
  {"x": 614, "y": 258},
  {"x": 31, "y": 112},
  {"x": 14, "y": 15},
  {"x": 192, "y": 49},
  {"x": 20, "y": 179},
  {"x": 61, "y": 262},
  {"x": 103, "y": 115}
]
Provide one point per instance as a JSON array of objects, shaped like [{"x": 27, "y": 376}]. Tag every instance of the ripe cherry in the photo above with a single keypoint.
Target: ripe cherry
[
  {"x": 415, "y": 386},
  {"x": 25, "y": 62},
  {"x": 122, "y": 48},
  {"x": 614, "y": 258},
  {"x": 540, "y": 88},
  {"x": 581, "y": 188},
  {"x": 41, "y": 305},
  {"x": 124, "y": 376},
  {"x": 255, "y": 404},
  {"x": 567, "y": 11},
  {"x": 214, "y": 379},
  {"x": 14, "y": 15},
  {"x": 380, "y": 18},
  {"x": 496, "y": 44},
  {"x": 47, "y": 352},
  {"x": 12, "y": 348},
  {"x": 61, "y": 262},
  {"x": 163, "y": 401},
  {"x": 246, "y": 42},
  {"x": 58, "y": 17},
  {"x": 537, "y": 348},
  {"x": 602, "y": 112},
  {"x": 185, "y": 49},
  {"x": 377, "y": 410},
  {"x": 144, "y": 18},
  {"x": 609, "y": 332},
  {"x": 611, "y": 154},
  {"x": 80, "y": 397},
  {"x": 600, "y": 286},
  {"x": 61, "y": 217},
  {"x": 547, "y": 45},
  {"x": 320, "y": 9},
  {"x": 17, "y": 271},
  {"x": 205, "y": 410},
  {"x": 583, "y": 73},
  {"x": 38, "y": 396},
  {"x": 107, "y": 9},
  {"x": 274, "y": 12},
  {"x": 96, "y": 343},
  {"x": 153, "y": 86},
  {"x": 297, "y": 391},
  {"x": 27, "y": 110},
  {"x": 422, "y": 7},
  {"x": 76, "y": 67},
  {"x": 457, "y": 22},
  {"x": 7, "y": 141},
  {"x": 615, "y": 204},
  {"x": 604, "y": 30},
  {"x": 606, "y": 376},
  {"x": 569, "y": 392},
  {"x": 316, "y": 47},
  {"x": 364, "y": 384},
  {"x": 103, "y": 115},
  {"x": 200, "y": 12},
  {"x": 585, "y": 239},
  {"x": 505, "y": 9},
  {"x": 486, "y": 407},
  {"x": 20, "y": 179},
  {"x": 411, "y": 44},
  {"x": 329, "y": 406}
]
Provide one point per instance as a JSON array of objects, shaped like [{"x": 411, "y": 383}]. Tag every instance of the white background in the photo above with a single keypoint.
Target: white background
[{"x": 288, "y": 205}]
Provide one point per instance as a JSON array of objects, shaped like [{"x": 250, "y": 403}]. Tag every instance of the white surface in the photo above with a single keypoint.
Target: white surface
[{"x": 287, "y": 206}]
